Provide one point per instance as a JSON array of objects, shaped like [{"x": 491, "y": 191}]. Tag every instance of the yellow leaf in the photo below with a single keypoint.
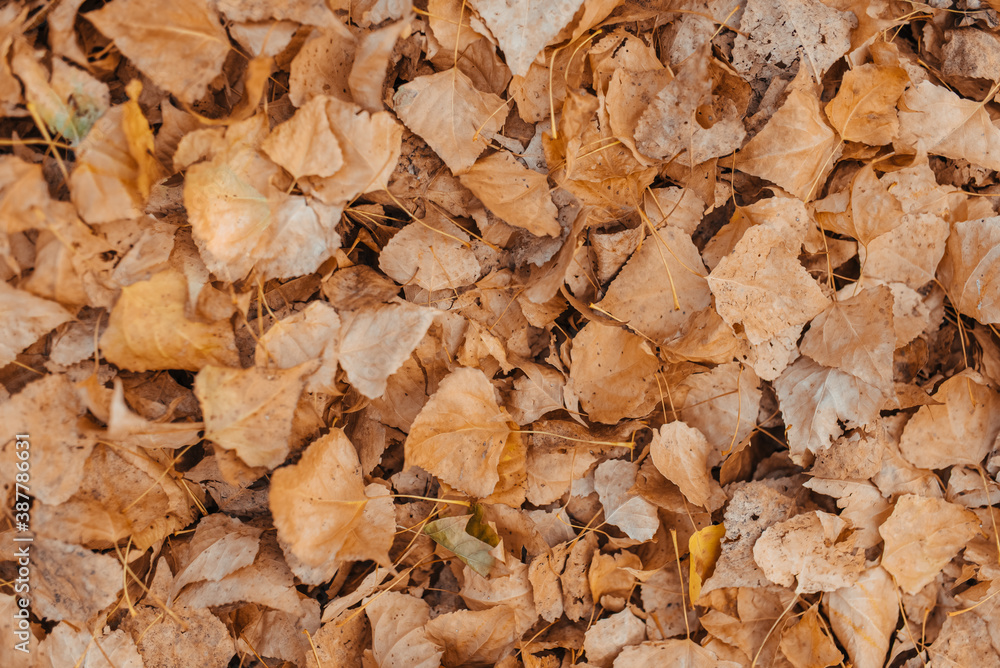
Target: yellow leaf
[
  {"x": 705, "y": 546},
  {"x": 140, "y": 141}
]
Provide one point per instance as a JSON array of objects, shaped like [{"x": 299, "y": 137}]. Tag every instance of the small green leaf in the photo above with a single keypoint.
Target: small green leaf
[{"x": 451, "y": 532}]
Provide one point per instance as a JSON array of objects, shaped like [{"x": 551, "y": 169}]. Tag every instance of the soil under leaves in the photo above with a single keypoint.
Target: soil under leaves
[{"x": 617, "y": 333}]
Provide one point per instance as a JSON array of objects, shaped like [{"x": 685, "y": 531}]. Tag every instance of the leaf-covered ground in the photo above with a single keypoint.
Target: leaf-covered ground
[{"x": 618, "y": 333}]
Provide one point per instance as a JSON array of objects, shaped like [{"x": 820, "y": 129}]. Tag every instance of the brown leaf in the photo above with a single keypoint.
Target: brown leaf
[
  {"x": 104, "y": 184},
  {"x": 51, "y": 412},
  {"x": 250, "y": 410},
  {"x": 864, "y": 616},
  {"x": 523, "y": 28},
  {"x": 310, "y": 334},
  {"x": 508, "y": 585},
  {"x": 814, "y": 399},
  {"x": 666, "y": 264},
  {"x": 432, "y": 254},
  {"x": 607, "y": 637},
  {"x": 69, "y": 100},
  {"x": 680, "y": 653},
  {"x": 219, "y": 546},
  {"x": 796, "y": 149},
  {"x": 936, "y": 120},
  {"x": 72, "y": 583},
  {"x": 763, "y": 286},
  {"x": 156, "y": 37},
  {"x": 864, "y": 109},
  {"x": 461, "y": 135},
  {"x": 313, "y": 72},
  {"x": 24, "y": 195},
  {"x": 306, "y": 144},
  {"x": 460, "y": 433},
  {"x": 682, "y": 455},
  {"x": 191, "y": 635},
  {"x": 149, "y": 329},
  {"x": 514, "y": 193},
  {"x": 629, "y": 96},
  {"x": 612, "y": 373},
  {"x": 370, "y": 144},
  {"x": 970, "y": 270},
  {"x": 398, "y": 635},
  {"x": 474, "y": 637},
  {"x": 774, "y": 34},
  {"x": 124, "y": 493},
  {"x": 807, "y": 645},
  {"x": 867, "y": 211},
  {"x": 811, "y": 550},
  {"x": 375, "y": 341},
  {"x": 72, "y": 647},
  {"x": 908, "y": 254},
  {"x": 856, "y": 335},
  {"x": 723, "y": 405},
  {"x": 241, "y": 220},
  {"x": 323, "y": 512},
  {"x": 960, "y": 429},
  {"x": 623, "y": 507},
  {"x": 35, "y": 317},
  {"x": 668, "y": 125},
  {"x": 370, "y": 62},
  {"x": 921, "y": 536}
]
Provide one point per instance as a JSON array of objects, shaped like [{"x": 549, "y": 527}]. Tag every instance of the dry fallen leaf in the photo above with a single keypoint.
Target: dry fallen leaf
[
  {"x": 763, "y": 286},
  {"x": 856, "y": 335},
  {"x": 796, "y": 149},
  {"x": 306, "y": 144},
  {"x": 36, "y": 317},
  {"x": 814, "y": 401},
  {"x": 323, "y": 512},
  {"x": 523, "y": 28},
  {"x": 612, "y": 373},
  {"x": 867, "y": 211},
  {"x": 150, "y": 329},
  {"x": 474, "y": 637},
  {"x": 774, "y": 33},
  {"x": 969, "y": 270},
  {"x": 681, "y": 453},
  {"x": 960, "y": 429},
  {"x": 807, "y": 644},
  {"x": 398, "y": 635},
  {"x": 810, "y": 550},
  {"x": 242, "y": 221},
  {"x": 938, "y": 121},
  {"x": 250, "y": 411},
  {"x": 668, "y": 124},
  {"x": 636, "y": 517},
  {"x": 375, "y": 341},
  {"x": 921, "y": 536},
  {"x": 471, "y": 117},
  {"x": 513, "y": 192},
  {"x": 864, "y": 616},
  {"x": 460, "y": 433},
  {"x": 864, "y": 109},
  {"x": 157, "y": 37},
  {"x": 431, "y": 254},
  {"x": 667, "y": 264},
  {"x": 681, "y": 653}
]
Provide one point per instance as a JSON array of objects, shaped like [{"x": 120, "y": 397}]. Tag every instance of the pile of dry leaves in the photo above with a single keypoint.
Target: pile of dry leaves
[{"x": 617, "y": 333}]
